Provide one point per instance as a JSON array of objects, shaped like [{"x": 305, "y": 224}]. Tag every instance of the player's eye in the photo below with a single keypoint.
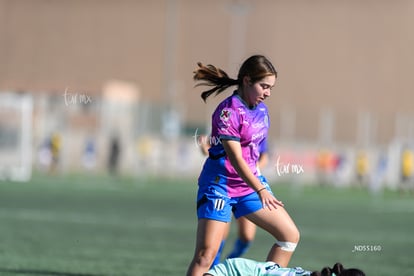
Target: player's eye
[{"x": 265, "y": 86}]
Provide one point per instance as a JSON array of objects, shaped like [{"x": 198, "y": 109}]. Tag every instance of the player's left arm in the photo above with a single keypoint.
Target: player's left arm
[{"x": 234, "y": 153}]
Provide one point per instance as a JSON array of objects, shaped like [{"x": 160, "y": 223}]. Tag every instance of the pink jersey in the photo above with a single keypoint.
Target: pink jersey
[{"x": 234, "y": 120}]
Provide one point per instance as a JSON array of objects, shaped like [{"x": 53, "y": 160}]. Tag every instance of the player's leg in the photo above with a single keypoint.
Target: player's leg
[
  {"x": 246, "y": 230},
  {"x": 214, "y": 214},
  {"x": 210, "y": 233},
  {"x": 246, "y": 233},
  {"x": 281, "y": 226},
  {"x": 217, "y": 259}
]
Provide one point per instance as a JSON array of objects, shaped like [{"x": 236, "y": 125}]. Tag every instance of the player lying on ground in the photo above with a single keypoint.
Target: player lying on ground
[{"x": 242, "y": 266}]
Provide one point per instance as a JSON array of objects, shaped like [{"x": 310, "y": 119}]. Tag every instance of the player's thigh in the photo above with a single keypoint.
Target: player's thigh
[
  {"x": 226, "y": 231},
  {"x": 277, "y": 222},
  {"x": 246, "y": 229},
  {"x": 210, "y": 234}
]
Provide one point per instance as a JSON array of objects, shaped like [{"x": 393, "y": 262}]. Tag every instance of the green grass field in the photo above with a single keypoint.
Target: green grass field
[{"x": 98, "y": 225}]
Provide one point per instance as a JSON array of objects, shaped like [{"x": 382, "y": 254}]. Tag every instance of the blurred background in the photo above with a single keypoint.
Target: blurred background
[{"x": 106, "y": 86}]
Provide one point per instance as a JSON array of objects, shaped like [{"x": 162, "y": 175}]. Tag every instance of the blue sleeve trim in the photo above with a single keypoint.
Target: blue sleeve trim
[
  {"x": 229, "y": 137},
  {"x": 263, "y": 148}
]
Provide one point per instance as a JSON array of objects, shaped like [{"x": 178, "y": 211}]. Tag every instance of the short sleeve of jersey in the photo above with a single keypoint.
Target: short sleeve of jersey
[
  {"x": 272, "y": 269},
  {"x": 227, "y": 123},
  {"x": 263, "y": 148}
]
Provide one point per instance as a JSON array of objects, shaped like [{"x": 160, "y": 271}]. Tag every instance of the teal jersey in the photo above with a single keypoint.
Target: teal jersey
[{"x": 241, "y": 267}]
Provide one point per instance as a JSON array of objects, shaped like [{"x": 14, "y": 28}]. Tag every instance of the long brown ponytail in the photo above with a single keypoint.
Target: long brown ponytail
[{"x": 212, "y": 76}]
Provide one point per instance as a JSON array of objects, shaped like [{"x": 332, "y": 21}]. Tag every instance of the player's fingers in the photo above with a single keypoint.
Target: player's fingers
[
  {"x": 264, "y": 203},
  {"x": 278, "y": 202},
  {"x": 273, "y": 204},
  {"x": 267, "y": 204},
  {"x": 269, "y": 201}
]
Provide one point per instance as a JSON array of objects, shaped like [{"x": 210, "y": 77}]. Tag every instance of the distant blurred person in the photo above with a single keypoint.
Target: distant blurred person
[
  {"x": 114, "y": 154},
  {"x": 407, "y": 170},
  {"x": 326, "y": 165},
  {"x": 55, "y": 147},
  {"x": 378, "y": 173},
  {"x": 144, "y": 149},
  {"x": 45, "y": 155},
  {"x": 362, "y": 168},
  {"x": 89, "y": 154},
  {"x": 228, "y": 182}
]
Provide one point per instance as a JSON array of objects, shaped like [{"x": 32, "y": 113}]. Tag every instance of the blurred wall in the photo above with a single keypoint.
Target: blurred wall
[{"x": 343, "y": 58}]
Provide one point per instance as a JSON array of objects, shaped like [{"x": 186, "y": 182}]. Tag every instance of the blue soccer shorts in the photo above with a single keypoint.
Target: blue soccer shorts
[{"x": 212, "y": 204}]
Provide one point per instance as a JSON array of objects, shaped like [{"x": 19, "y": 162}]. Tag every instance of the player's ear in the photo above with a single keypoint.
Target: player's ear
[{"x": 247, "y": 81}]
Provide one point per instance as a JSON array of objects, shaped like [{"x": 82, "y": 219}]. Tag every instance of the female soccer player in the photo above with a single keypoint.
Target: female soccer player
[
  {"x": 246, "y": 229},
  {"x": 228, "y": 181},
  {"x": 241, "y": 266}
]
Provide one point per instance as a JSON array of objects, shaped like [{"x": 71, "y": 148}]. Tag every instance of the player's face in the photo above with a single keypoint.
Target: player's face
[{"x": 257, "y": 92}]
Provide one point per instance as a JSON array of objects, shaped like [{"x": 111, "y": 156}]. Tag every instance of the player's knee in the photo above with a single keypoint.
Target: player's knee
[
  {"x": 295, "y": 236},
  {"x": 247, "y": 238},
  {"x": 291, "y": 242},
  {"x": 206, "y": 257},
  {"x": 287, "y": 246}
]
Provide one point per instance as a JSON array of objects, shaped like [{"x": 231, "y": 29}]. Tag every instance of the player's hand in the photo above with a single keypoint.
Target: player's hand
[{"x": 269, "y": 201}]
